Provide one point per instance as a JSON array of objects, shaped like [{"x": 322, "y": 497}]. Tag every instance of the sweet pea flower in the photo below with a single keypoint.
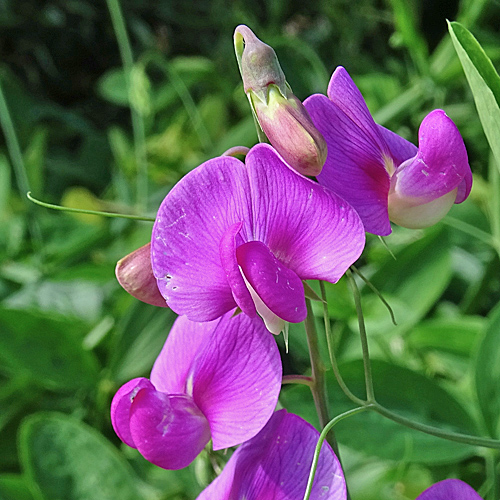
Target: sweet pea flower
[
  {"x": 280, "y": 114},
  {"x": 217, "y": 380},
  {"x": 246, "y": 234},
  {"x": 275, "y": 464},
  {"x": 449, "y": 489},
  {"x": 383, "y": 176}
]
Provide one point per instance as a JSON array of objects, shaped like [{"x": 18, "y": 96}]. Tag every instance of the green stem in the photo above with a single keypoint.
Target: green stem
[
  {"x": 318, "y": 387},
  {"x": 91, "y": 212},
  {"x": 298, "y": 379},
  {"x": 138, "y": 128},
  {"x": 20, "y": 172},
  {"x": 491, "y": 473},
  {"x": 434, "y": 431},
  {"x": 473, "y": 231},
  {"x": 321, "y": 440},
  {"x": 331, "y": 350},
  {"x": 370, "y": 394}
]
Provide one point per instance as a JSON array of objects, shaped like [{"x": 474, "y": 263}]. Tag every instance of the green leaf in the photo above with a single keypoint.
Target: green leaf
[
  {"x": 411, "y": 284},
  {"x": 68, "y": 460},
  {"x": 483, "y": 81},
  {"x": 14, "y": 487},
  {"x": 408, "y": 394},
  {"x": 112, "y": 86},
  {"x": 45, "y": 349},
  {"x": 488, "y": 375}
]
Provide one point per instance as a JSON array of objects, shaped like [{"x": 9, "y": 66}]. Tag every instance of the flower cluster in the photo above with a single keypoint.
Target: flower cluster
[{"x": 231, "y": 247}]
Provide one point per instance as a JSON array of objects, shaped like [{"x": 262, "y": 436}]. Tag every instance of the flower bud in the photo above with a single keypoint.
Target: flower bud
[
  {"x": 281, "y": 115},
  {"x": 135, "y": 275}
]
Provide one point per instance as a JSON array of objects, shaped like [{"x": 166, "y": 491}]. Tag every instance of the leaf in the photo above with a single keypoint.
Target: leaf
[
  {"x": 69, "y": 460},
  {"x": 14, "y": 487},
  {"x": 411, "y": 284},
  {"x": 45, "y": 349},
  {"x": 483, "y": 81},
  {"x": 488, "y": 374},
  {"x": 408, "y": 394},
  {"x": 112, "y": 86}
]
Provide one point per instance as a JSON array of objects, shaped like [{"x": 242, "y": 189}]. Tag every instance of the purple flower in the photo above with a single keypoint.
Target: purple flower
[
  {"x": 449, "y": 489},
  {"x": 275, "y": 464},
  {"x": 218, "y": 380},
  {"x": 246, "y": 234},
  {"x": 383, "y": 176}
]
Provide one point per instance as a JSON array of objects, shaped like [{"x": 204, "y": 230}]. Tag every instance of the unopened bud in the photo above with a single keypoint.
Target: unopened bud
[
  {"x": 135, "y": 275},
  {"x": 281, "y": 115}
]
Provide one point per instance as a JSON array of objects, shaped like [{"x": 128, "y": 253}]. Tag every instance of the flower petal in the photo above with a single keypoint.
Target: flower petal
[
  {"x": 174, "y": 364},
  {"x": 237, "y": 379},
  {"x": 307, "y": 227},
  {"x": 400, "y": 149},
  {"x": 354, "y": 167},
  {"x": 280, "y": 289},
  {"x": 449, "y": 489},
  {"x": 440, "y": 165},
  {"x": 275, "y": 464},
  {"x": 120, "y": 408},
  {"x": 168, "y": 430},
  {"x": 230, "y": 240},
  {"x": 186, "y": 236},
  {"x": 135, "y": 275}
]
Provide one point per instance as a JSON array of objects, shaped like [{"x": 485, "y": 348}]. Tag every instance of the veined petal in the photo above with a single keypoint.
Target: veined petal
[
  {"x": 355, "y": 165},
  {"x": 280, "y": 289},
  {"x": 449, "y": 489},
  {"x": 135, "y": 275},
  {"x": 237, "y": 379},
  {"x": 440, "y": 165},
  {"x": 175, "y": 362},
  {"x": 400, "y": 149},
  {"x": 307, "y": 227},
  {"x": 168, "y": 430},
  {"x": 120, "y": 408},
  {"x": 275, "y": 464},
  {"x": 187, "y": 233},
  {"x": 228, "y": 246}
]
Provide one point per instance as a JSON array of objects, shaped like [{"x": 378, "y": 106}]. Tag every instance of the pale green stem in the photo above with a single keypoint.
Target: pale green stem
[
  {"x": 91, "y": 212},
  {"x": 298, "y": 379},
  {"x": 138, "y": 128},
  {"x": 318, "y": 387},
  {"x": 20, "y": 172},
  {"x": 331, "y": 350},
  {"x": 494, "y": 177},
  {"x": 473, "y": 231},
  {"x": 321, "y": 440},
  {"x": 370, "y": 395}
]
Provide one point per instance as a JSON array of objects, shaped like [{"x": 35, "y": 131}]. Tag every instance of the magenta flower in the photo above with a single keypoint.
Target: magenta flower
[
  {"x": 383, "y": 176},
  {"x": 449, "y": 489},
  {"x": 275, "y": 465},
  {"x": 246, "y": 234},
  {"x": 218, "y": 380}
]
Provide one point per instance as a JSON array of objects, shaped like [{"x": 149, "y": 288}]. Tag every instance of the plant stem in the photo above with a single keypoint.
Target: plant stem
[
  {"x": 298, "y": 379},
  {"x": 21, "y": 175},
  {"x": 138, "y": 128},
  {"x": 370, "y": 395},
  {"x": 331, "y": 350},
  {"x": 91, "y": 212},
  {"x": 321, "y": 440},
  {"x": 318, "y": 386},
  {"x": 491, "y": 473}
]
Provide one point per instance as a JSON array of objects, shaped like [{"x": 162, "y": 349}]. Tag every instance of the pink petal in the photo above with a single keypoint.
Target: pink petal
[
  {"x": 449, "y": 489},
  {"x": 237, "y": 379},
  {"x": 135, "y": 275},
  {"x": 275, "y": 465},
  {"x": 355, "y": 164},
  {"x": 240, "y": 291},
  {"x": 120, "y": 408},
  {"x": 307, "y": 227},
  {"x": 187, "y": 233},
  {"x": 280, "y": 289},
  {"x": 168, "y": 430},
  {"x": 440, "y": 165},
  {"x": 175, "y": 362},
  {"x": 400, "y": 149}
]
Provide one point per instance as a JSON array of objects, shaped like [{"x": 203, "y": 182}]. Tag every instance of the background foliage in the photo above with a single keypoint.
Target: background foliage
[{"x": 69, "y": 335}]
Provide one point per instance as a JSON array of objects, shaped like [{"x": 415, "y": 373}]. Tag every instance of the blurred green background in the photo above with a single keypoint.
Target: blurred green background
[{"x": 109, "y": 120}]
